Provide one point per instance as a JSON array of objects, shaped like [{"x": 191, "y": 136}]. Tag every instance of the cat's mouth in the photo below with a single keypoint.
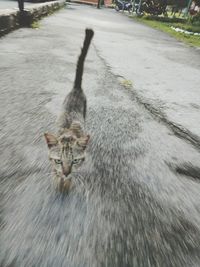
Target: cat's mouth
[
  {"x": 63, "y": 177},
  {"x": 68, "y": 177}
]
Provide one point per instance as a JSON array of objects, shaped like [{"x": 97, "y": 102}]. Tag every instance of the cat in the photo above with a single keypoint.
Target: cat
[{"x": 67, "y": 148}]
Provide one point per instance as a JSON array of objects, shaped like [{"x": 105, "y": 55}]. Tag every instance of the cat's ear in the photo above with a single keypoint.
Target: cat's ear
[
  {"x": 83, "y": 141},
  {"x": 50, "y": 139}
]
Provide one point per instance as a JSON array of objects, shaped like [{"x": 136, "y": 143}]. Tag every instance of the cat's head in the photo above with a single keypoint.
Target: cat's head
[{"x": 67, "y": 151}]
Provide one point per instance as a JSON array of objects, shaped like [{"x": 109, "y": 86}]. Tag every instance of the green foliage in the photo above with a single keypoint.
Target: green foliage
[
  {"x": 164, "y": 19},
  {"x": 193, "y": 40},
  {"x": 126, "y": 83},
  {"x": 195, "y": 20},
  {"x": 187, "y": 27},
  {"x": 35, "y": 25},
  {"x": 178, "y": 3}
]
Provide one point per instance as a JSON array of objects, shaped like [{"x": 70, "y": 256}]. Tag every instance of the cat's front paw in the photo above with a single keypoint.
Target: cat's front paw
[{"x": 61, "y": 185}]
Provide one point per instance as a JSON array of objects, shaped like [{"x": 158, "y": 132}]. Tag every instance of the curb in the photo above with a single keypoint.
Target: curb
[
  {"x": 11, "y": 20},
  {"x": 88, "y": 3},
  {"x": 82, "y": 2}
]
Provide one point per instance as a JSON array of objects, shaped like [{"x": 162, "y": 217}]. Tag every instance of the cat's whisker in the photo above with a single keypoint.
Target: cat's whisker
[
  {"x": 46, "y": 174},
  {"x": 75, "y": 178}
]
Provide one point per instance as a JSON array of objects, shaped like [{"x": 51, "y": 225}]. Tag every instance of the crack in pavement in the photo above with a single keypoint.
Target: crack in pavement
[{"x": 177, "y": 129}]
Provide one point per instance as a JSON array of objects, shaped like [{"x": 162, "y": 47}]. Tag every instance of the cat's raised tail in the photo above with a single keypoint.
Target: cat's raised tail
[{"x": 80, "y": 64}]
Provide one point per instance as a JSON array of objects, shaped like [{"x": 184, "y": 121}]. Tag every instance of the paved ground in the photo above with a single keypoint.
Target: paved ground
[
  {"x": 138, "y": 202},
  {"x": 166, "y": 73},
  {"x": 12, "y": 4}
]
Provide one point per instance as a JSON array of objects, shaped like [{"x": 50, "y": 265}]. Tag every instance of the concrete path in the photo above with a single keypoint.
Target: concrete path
[
  {"x": 137, "y": 198},
  {"x": 165, "y": 73},
  {"x": 9, "y": 5}
]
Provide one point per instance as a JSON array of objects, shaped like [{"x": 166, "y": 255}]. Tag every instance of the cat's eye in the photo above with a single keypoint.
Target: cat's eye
[
  {"x": 76, "y": 161},
  {"x": 58, "y": 161}
]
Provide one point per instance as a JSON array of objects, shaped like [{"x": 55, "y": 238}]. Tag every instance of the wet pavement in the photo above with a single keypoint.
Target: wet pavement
[{"x": 133, "y": 204}]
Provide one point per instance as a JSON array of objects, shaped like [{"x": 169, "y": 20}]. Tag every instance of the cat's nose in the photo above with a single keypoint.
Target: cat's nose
[{"x": 67, "y": 170}]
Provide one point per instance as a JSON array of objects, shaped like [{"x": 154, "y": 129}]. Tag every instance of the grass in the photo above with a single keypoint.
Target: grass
[
  {"x": 187, "y": 26},
  {"x": 35, "y": 25},
  {"x": 166, "y": 27},
  {"x": 126, "y": 83}
]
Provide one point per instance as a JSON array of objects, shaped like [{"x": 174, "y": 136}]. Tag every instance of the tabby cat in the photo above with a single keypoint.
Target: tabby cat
[{"x": 67, "y": 148}]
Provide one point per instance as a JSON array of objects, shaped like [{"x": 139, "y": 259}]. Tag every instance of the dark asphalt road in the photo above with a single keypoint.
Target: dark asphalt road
[{"x": 130, "y": 207}]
